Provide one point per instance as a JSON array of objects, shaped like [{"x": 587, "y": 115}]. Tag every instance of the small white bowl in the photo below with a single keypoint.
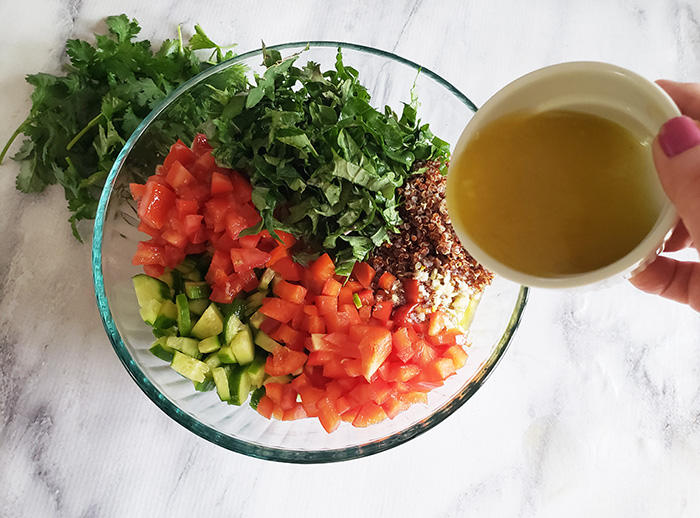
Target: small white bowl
[{"x": 591, "y": 87}]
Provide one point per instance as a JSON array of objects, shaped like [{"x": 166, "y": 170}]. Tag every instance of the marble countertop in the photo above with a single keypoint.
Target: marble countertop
[{"x": 594, "y": 411}]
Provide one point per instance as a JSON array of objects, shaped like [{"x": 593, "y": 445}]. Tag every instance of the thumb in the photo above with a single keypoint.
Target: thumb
[{"x": 677, "y": 158}]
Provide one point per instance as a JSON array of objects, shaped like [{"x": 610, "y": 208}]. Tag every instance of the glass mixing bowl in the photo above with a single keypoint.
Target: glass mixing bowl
[{"x": 389, "y": 79}]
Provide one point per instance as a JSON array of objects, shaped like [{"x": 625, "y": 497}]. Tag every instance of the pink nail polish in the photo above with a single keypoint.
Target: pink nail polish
[{"x": 677, "y": 135}]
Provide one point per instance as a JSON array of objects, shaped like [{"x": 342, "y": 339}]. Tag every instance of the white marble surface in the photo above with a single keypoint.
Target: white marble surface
[{"x": 594, "y": 410}]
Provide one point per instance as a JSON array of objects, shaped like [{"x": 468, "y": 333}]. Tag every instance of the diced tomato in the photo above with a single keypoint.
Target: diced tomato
[
  {"x": 438, "y": 370},
  {"x": 278, "y": 253},
  {"x": 178, "y": 176},
  {"x": 326, "y": 304},
  {"x": 322, "y": 268},
  {"x": 375, "y": 347},
  {"x": 179, "y": 152},
  {"x": 370, "y": 413},
  {"x": 279, "y": 309},
  {"x": 147, "y": 229},
  {"x": 249, "y": 241},
  {"x": 220, "y": 184},
  {"x": 386, "y": 281},
  {"x": 297, "y": 412},
  {"x": 137, "y": 190},
  {"x": 457, "y": 355},
  {"x": 186, "y": 207},
  {"x": 411, "y": 290},
  {"x": 437, "y": 323},
  {"x": 327, "y": 414},
  {"x": 148, "y": 254},
  {"x": 314, "y": 324},
  {"x": 265, "y": 407},
  {"x": 154, "y": 270},
  {"x": 242, "y": 190},
  {"x": 193, "y": 227},
  {"x": 424, "y": 353},
  {"x": 288, "y": 269},
  {"x": 331, "y": 287},
  {"x": 382, "y": 310},
  {"x": 402, "y": 344},
  {"x": 248, "y": 258},
  {"x": 284, "y": 360},
  {"x": 155, "y": 204},
  {"x": 200, "y": 145},
  {"x": 290, "y": 292},
  {"x": 363, "y": 273},
  {"x": 402, "y": 316},
  {"x": 366, "y": 297}
]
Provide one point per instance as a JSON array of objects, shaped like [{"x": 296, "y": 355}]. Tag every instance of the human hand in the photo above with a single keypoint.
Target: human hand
[{"x": 676, "y": 153}]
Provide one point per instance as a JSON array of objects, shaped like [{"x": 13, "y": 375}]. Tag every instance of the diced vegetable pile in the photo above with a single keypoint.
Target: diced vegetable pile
[{"x": 233, "y": 311}]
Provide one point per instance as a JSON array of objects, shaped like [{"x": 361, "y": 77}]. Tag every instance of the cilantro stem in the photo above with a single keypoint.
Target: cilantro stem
[
  {"x": 83, "y": 131},
  {"x": 179, "y": 37},
  {"x": 17, "y": 132}
]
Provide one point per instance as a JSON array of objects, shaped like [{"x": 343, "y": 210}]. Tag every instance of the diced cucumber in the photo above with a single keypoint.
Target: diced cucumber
[
  {"x": 226, "y": 355},
  {"x": 256, "y": 396},
  {"x": 239, "y": 385},
  {"x": 184, "y": 321},
  {"x": 254, "y": 301},
  {"x": 232, "y": 325},
  {"x": 256, "y": 370},
  {"x": 168, "y": 331},
  {"x": 195, "y": 275},
  {"x": 161, "y": 350},
  {"x": 172, "y": 278},
  {"x": 189, "y": 367},
  {"x": 264, "y": 341},
  {"x": 242, "y": 346},
  {"x": 148, "y": 288},
  {"x": 213, "y": 360},
  {"x": 209, "y": 324},
  {"x": 160, "y": 314},
  {"x": 204, "y": 386},
  {"x": 237, "y": 307},
  {"x": 199, "y": 306},
  {"x": 187, "y": 265},
  {"x": 256, "y": 319},
  {"x": 282, "y": 380},
  {"x": 188, "y": 346},
  {"x": 197, "y": 289},
  {"x": 265, "y": 279},
  {"x": 221, "y": 379},
  {"x": 209, "y": 345}
]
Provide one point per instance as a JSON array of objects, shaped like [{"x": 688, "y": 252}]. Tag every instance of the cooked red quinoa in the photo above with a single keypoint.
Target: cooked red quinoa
[{"x": 426, "y": 247}]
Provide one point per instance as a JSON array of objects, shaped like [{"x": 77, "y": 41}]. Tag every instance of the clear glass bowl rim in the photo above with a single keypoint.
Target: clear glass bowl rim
[{"x": 194, "y": 425}]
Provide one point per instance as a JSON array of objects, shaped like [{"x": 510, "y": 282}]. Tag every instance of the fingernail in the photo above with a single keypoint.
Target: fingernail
[{"x": 678, "y": 135}]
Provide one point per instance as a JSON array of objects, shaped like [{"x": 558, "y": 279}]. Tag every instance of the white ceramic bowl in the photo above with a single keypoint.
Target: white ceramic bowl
[{"x": 599, "y": 89}]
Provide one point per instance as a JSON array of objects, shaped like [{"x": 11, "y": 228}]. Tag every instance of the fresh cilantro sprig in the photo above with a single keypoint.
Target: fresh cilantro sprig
[
  {"x": 324, "y": 163},
  {"x": 79, "y": 121}
]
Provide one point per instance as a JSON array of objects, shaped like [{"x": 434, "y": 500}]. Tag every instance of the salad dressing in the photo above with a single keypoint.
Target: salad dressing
[{"x": 555, "y": 193}]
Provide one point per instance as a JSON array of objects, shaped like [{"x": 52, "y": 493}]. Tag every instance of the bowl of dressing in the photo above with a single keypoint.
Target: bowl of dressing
[{"x": 552, "y": 182}]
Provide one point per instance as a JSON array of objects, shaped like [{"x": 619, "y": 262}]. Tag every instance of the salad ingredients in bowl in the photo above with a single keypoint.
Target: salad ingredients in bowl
[{"x": 297, "y": 258}]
